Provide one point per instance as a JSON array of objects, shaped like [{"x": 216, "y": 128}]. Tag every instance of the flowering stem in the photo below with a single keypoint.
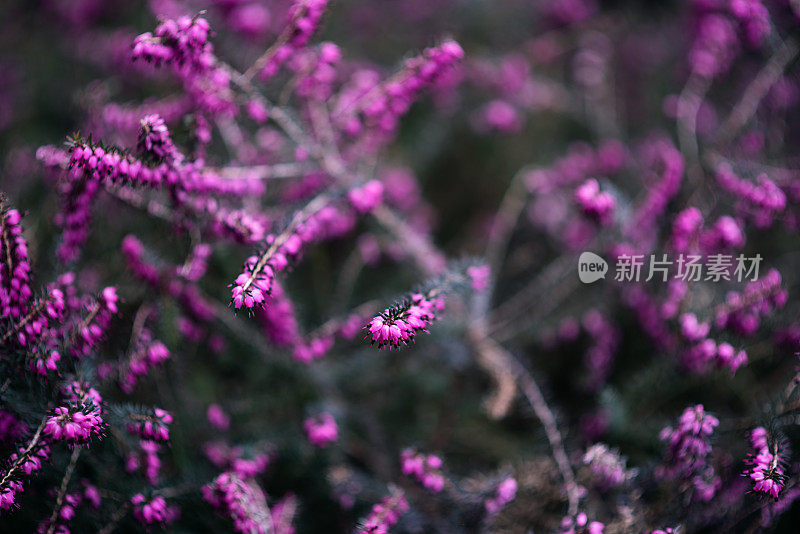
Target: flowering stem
[
  {"x": 24, "y": 456},
  {"x": 25, "y": 320},
  {"x": 62, "y": 490},
  {"x": 301, "y": 216},
  {"x": 282, "y": 39},
  {"x": 420, "y": 248}
]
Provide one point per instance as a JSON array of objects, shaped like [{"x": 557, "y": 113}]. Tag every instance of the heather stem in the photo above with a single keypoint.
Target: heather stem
[
  {"x": 23, "y": 457},
  {"x": 25, "y": 320},
  {"x": 503, "y": 225},
  {"x": 62, "y": 490},
  {"x": 115, "y": 519},
  {"x": 311, "y": 208},
  {"x": 534, "y": 395},
  {"x": 756, "y": 91}
]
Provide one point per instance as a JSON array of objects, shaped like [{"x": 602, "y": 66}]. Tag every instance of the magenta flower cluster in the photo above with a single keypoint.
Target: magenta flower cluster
[
  {"x": 303, "y": 19},
  {"x": 384, "y": 515},
  {"x": 505, "y": 493},
  {"x": 424, "y": 468},
  {"x": 73, "y": 425},
  {"x": 321, "y": 430},
  {"x": 766, "y": 470},
  {"x": 400, "y": 323},
  {"x": 688, "y": 447},
  {"x": 241, "y": 501},
  {"x": 153, "y": 426}
]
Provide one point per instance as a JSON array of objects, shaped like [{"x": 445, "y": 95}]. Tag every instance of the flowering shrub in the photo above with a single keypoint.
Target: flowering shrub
[{"x": 572, "y": 225}]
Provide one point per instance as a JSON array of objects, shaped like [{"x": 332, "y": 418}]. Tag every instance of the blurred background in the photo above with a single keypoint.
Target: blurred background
[{"x": 544, "y": 85}]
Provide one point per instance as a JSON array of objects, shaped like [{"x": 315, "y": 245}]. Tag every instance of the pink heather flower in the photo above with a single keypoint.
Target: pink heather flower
[
  {"x": 100, "y": 314},
  {"x": 479, "y": 276},
  {"x": 152, "y": 511},
  {"x": 426, "y": 469},
  {"x": 762, "y": 202},
  {"x": 754, "y": 18},
  {"x": 8, "y": 495},
  {"x": 608, "y": 467},
  {"x": 313, "y": 349},
  {"x": 766, "y": 467},
  {"x": 685, "y": 229},
  {"x": 691, "y": 328},
  {"x": 250, "y": 288},
  {"x": 82, "y": 393},
  {"x": 667, "y": 167},
  {"x": 581, "y": 525},
  {"x": 726, "y": 234},
  {"x": 384, "y": 515},
  {"x": 759, "y": 438},
  {"x": 251, "y": 19},
  {"x": 154, "y": 139},
  {"x": 73, "y": 426},
  {"x": 217, "y": 417},
  {"x": 277, "y": 318},
  {"x": 729, "y": 357},
  {"x": 317, "y": 71},
  {"x": 767, "y": 474},
  {"x": 379, "y": 111},
  {"x": 257, "y": 111},
  {"x": 43, "y": 362},
  {"x": 242, "y": 501},
  {"x": 715, "y": 45},
  {"x": 147, "y": 354},
  {"x": 147, "y": 460},
  {"x": 183, "y": 42},
  {"x": 498, "y": 116},
  {"x": 506, "y": 492},
  {"x": 321, "y": 430},
  {"x": 283, "y": 513},
  {"x": 366, "y": 198},
  {"x": 91, "y": 494},
  {"x": 741, "y": 312},
  {"x": 688, "y": 447},
  {"x": 250, "y": 468},
  {"x": 32, "y": 461},
  {"x": 155, "y": 427},
  {"x": 304, "y": 17},
  {"x": 598, "y": 206},
  {"x": 400, "y": 323},
  {"x": 15, "y": 291}
]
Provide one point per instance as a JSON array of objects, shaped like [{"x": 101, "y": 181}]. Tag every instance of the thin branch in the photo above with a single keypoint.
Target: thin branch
[
  {"x": 115, "y": 519},
  {"x": 62, "y": 490},
  {"x": 264, "y": 172},
  {"x": 503, "y": 224},
  {"x": 756, "y": 91},
  {"x": 533, "y": 393},
  {"x": 24, "y": 455}
]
